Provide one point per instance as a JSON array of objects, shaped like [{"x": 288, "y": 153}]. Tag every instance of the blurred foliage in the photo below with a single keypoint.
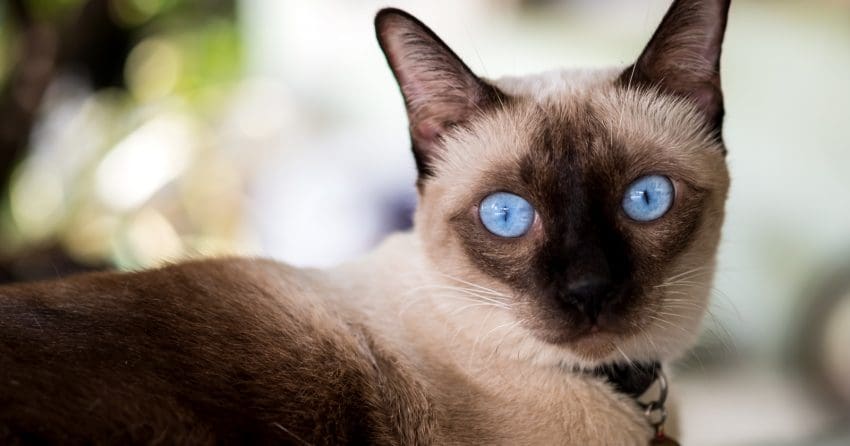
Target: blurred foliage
[
  {"x": 5, "y": 42},
  {"x": 129, "y": 174}
]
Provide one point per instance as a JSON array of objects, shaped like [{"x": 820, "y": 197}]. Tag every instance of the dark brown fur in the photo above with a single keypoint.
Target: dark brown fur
[{"x": 200, "y": 353}]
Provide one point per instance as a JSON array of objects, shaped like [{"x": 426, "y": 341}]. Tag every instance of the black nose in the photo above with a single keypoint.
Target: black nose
[{"x": 589, "y": 294}]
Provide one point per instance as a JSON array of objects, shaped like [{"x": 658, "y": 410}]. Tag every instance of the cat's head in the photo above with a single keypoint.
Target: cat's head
[{"x": 585, "y": 206}]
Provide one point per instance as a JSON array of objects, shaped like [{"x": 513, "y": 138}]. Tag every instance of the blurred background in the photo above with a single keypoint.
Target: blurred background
[{"x": 136, "y": 132}]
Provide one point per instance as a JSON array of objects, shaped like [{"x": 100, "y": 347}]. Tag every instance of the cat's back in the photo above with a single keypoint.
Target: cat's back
[{"x": 203, "y": 352}]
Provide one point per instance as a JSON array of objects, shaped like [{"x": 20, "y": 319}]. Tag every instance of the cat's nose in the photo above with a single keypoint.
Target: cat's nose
[{"x": 589, "y": 294}]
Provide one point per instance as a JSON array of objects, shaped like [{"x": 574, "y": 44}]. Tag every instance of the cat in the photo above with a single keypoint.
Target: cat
[{"x": 566, "y": 221}]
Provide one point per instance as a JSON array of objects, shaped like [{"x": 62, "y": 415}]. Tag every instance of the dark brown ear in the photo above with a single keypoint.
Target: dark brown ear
[
  {"x": 439, "y": 90},
  {"x": 683, "y": 56}
]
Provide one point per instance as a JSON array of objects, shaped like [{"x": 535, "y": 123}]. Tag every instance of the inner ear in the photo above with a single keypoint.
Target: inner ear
[
  {"x": 440, "y": 91},
  {"x": 683, "y": 56}
]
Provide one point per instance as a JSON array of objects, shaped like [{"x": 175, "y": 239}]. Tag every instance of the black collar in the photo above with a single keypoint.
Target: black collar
[
  {"x": 634, "y": 380},
  {"x": 631, "y": 379}
]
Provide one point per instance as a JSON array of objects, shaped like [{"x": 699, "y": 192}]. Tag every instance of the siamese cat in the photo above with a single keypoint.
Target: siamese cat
[{"x": 567, "y": 221}]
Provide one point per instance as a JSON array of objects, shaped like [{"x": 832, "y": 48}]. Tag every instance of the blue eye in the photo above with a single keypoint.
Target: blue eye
[
  {"x": 506, "y": 214},
  {"x": 648, "y": 198}
]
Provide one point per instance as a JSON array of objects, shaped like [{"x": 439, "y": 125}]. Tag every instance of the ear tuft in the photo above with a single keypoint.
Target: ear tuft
[
  {"x": 683, "y": 56},
  {"x": 439, "y": 90}
]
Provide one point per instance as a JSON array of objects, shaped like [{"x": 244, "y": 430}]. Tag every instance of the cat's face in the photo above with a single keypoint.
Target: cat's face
[{"x": 587, "y": 204}]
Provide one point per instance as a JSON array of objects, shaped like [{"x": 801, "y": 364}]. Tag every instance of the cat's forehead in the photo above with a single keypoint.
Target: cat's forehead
[
  {"x": 587, "y": 115},
  {"x": 556, "y": 84}
]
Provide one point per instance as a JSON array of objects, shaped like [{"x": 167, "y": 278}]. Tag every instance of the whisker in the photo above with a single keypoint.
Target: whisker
[
  {"x": 480, "y": 304},
  {"x": 463, "y": 291},
  {"x": 467, "y": 297},
  {"x": 691, "y": 272},
  {"x": 678, "y": 283},
  {"x": 664, "y": 313},
  {"x": 628, "y": 360},
  {"x": 449, "y": 287},
  {"x": 502, "y": 341},
  {"x": 483, "y": 288},
  {"x": 669, "y": 324},
  {"x": 649, "y": 340}
]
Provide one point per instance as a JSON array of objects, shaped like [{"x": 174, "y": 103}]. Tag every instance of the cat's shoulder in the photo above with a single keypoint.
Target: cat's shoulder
[
  {"x": 214, "y": 299},
  {"x": 207, "y": 281}
]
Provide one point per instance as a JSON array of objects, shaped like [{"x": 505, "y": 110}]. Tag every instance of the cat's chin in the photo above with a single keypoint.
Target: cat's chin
[{"x": 594, "y": 348}]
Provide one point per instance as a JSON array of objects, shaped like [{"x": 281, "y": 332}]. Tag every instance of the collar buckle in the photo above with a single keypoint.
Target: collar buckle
[
  {"x": 654, "y": 410},
  {"x": 656, "y": 413}
]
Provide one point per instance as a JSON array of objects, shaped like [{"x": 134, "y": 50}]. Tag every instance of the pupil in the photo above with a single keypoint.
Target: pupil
[
  {"x": 505, "y": 213},
  {"x": 646, "y": 196}
]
